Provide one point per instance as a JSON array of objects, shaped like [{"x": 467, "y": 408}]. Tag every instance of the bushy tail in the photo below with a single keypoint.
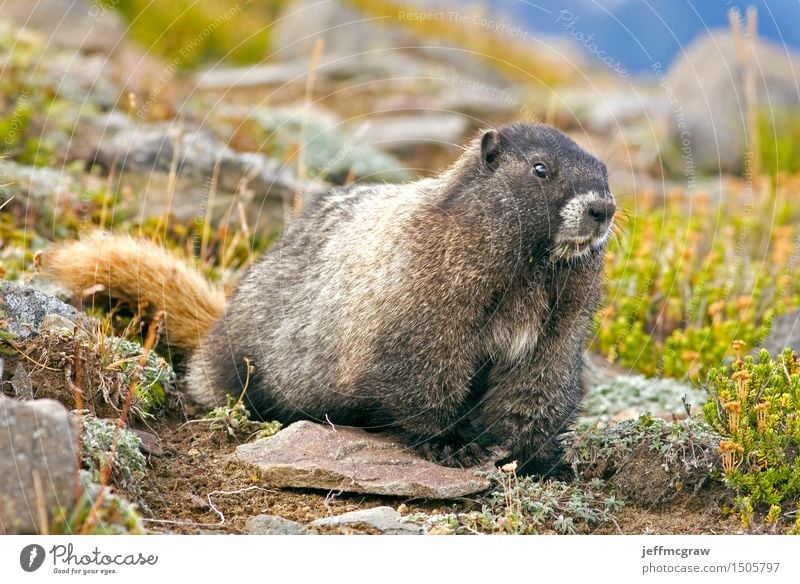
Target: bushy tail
[{"x": 139, "y": 271}]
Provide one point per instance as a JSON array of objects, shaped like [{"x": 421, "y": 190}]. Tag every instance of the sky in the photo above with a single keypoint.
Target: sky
[{"x": 639, "y": 32}]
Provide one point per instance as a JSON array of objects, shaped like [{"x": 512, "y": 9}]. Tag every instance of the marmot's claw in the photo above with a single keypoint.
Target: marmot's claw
[{"x": 453, "y": 454}]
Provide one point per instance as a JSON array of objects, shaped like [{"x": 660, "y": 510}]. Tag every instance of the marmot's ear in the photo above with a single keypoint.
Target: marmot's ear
[{"x": 490, "y": 148}]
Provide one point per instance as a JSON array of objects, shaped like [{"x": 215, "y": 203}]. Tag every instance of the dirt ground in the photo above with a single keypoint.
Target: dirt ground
[{"x": 196, "y": 466}]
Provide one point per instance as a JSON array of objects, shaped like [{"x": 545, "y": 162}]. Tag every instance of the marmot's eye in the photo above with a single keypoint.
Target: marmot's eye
[{"x": 540, "y": 169}]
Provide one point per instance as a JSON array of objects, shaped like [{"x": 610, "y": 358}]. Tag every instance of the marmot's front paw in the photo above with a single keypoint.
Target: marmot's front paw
[{"x": 453, "y": 454}]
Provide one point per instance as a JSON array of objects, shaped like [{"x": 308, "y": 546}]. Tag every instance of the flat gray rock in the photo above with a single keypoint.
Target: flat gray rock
[
  {"x": 384, "y": 519},
  {"x": 309, "y": 455},
  {"x": 403, "y": 133},
  {"x": 38, "y": 462},
  {"x": 274, "y": 525}
]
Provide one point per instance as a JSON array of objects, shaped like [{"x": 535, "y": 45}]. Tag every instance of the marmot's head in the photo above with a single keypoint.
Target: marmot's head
[{"x": 559, "y": 190}]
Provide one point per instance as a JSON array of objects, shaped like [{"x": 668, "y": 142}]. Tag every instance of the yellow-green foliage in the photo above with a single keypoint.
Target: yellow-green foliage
[
  {"x": 188, "y": 32},
  {"x": 779, "y": 138},
  {"x": 22, "y": 99},
  {"x": 688, "y": 275},
  {"x": 234, "y": 418},
  {"x": 756, "y": 406}
]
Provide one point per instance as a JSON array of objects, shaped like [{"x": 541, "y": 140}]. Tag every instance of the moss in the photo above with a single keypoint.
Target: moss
[
  {"x": 6, "y": 338},
  {"x": 114, "y": 516},
  {"x": 648, "y": 460},
  {"x": 155, "y": 379},
  {"x": 97, "y": 439},
  {"x": 626, "y": 392},
  {"x": 524, "y": 505}
]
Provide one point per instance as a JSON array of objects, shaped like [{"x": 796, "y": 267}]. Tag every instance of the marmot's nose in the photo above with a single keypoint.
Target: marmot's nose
[{"x": 601, "y": 210}]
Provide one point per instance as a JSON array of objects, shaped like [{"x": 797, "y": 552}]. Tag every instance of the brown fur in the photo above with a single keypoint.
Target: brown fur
[
  {"x": 452, "y": 311},
  {"x": 139, "y": 271}
]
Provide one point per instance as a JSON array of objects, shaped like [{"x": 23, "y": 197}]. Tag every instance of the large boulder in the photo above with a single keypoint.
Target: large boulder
[
  {"x": 73, "y": 24},
  {"x": 207, "y": 172},
  {"x": 343, "y": 30},
  {"x": 708, "y": 118},
  {"x": 38, "y": 464}
]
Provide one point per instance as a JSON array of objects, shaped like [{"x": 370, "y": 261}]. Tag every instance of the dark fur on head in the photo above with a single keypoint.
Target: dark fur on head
[{"x": 452, "y": 311}]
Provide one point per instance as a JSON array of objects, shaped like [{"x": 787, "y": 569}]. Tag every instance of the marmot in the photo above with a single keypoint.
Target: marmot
[{"x": 452, "y": 311}]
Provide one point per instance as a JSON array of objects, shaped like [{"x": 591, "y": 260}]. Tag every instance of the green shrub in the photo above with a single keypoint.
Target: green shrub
[
  {"x": 234, "y": 419},
  {"x": 755, "y": 405},
  {"x": 779, "y": 140},
  {"x": 189, "y": 33},
  {"x": 153, "y": 382},
  {"x": 688, "y": 275}
]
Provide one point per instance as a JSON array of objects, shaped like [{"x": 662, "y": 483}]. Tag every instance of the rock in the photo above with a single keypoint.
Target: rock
[
  {"x": 224, "y": 78},
  {"x": 343, "y": 30},
  {"x": 73, "y": 24},
  {"x": 389, "y": 67},
  {"x": 630, "y": 396},
  {"x": 384, "y": 519},
  {"x": 66, "y": 360},
  {"x": 405, "y": 133},
  {"x": 149, "y": 442},
  {"x": 25, "y": 310},
  {"x": 148, "y": 152},
  {"x": 274, "y": 525},
  {"x": 359, "y": 41},
  {"x": 21, "y": 382},
  {"x": 328, "y": 153},
  {"x": 38, "y": 463},
  {"x": 707, "y": 84},
  {"x": 80, "y": 79},
  {"x": 610, "y": 109},
  {"x": 309, "y": 455},
  {"x": 39, "y": 184},
  {"x": 597, "y": 370},
  {"x": 785, "y": 334}
]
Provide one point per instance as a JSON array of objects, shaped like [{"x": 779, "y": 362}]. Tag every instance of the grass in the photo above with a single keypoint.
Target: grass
[
  {"x": 190, "y": 33},
  {"x": 689, "y": 275}
]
